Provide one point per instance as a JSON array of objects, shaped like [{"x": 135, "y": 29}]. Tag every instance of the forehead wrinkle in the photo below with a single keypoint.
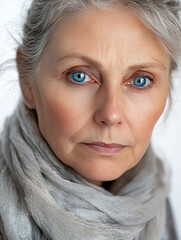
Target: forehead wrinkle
[{"x": 109, "y": 54}]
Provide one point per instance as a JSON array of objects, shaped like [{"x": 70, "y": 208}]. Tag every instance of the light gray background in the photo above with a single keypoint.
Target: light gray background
[{"x": 166, "y": 136}]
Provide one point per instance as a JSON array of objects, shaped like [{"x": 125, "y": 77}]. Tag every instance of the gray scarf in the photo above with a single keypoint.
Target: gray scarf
[{"x": 41, "y": 198}]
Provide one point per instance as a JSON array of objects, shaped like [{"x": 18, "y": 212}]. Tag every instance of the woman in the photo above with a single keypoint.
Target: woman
[{"x": 75, "y": 160}]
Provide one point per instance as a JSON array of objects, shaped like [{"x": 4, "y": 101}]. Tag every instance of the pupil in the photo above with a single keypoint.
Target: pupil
[
  {"x": 80, "y": 75},
  {"x": 140, "y": 80}
]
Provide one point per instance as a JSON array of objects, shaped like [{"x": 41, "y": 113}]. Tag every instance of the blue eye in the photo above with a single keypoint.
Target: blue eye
[
  {"x": 79, "y": 76},
  {"x": 141, "y": 81}
]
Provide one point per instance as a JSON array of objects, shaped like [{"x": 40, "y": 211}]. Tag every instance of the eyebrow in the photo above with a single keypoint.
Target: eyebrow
[
  {"x": 148, "y": 65},
  {"x": 145, "y": 65}
]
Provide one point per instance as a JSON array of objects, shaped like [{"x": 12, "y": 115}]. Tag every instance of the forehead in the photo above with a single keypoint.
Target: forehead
[{"x": 107, "y": 34}]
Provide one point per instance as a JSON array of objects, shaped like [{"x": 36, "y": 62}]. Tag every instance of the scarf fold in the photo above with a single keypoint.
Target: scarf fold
[{"x": 42, "y": 198}]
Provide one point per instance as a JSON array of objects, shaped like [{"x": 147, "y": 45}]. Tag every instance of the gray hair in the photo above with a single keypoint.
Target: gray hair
[{"x": 161, "y": 16}]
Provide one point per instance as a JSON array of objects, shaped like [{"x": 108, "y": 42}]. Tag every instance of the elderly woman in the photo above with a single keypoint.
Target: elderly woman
[{"x": 75, "y": 158}]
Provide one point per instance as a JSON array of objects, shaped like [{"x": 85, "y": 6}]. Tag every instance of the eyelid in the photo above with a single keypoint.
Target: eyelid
[
  {"x": 80, "y": 69},
  {"x": 140, "y": 74},
  {"x": 70, "y": 76}
]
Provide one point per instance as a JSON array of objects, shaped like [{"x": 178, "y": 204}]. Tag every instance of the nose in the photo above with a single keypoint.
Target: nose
[{"x": 108, "y": 109}]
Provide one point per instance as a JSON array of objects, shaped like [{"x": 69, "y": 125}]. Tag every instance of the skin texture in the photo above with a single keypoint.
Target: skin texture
[{"x": 112, "y": 47}]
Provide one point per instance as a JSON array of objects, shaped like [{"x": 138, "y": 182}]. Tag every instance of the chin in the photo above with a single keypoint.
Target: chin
[{"x": 102, "y": 175}]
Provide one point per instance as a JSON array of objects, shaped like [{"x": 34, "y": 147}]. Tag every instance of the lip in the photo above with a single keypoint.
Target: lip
[{"x": 105, "y": 148}]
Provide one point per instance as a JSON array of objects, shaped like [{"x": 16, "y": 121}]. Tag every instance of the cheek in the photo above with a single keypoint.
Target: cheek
[
  {"x": 146, "y": 117},
  {"x": 141, "y": 128},
  {"x": 63, "y": 115},
  {"x": 146, "y": 123}
]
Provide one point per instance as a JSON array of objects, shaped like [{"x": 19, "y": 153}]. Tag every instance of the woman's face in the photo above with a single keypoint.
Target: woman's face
[{"x": 103, "y": 79}]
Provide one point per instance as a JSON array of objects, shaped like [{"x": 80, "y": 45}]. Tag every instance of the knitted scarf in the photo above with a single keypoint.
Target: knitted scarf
[{"x": 42, "y": 198}]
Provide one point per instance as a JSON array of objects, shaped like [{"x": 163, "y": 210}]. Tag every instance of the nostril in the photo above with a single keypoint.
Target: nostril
[
  {"x": 103, "y": 122},
  {"x": 109, "y": 122}
]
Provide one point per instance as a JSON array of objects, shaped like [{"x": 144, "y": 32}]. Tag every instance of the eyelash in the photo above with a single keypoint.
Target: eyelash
[{"x": 127, "y": 83}]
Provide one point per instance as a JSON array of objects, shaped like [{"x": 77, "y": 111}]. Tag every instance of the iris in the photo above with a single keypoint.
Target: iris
[
  {"x": 141, "y": 81},
  {"x": 79, "y": 76}
]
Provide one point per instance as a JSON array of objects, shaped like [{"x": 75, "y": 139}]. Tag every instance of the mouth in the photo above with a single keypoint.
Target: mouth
[{"x": 104, "y": 148}]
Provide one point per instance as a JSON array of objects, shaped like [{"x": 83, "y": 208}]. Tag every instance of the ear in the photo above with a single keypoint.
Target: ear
[
  {"x": 28, "y": 96},
  {"x": 25, "y": 85}
]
